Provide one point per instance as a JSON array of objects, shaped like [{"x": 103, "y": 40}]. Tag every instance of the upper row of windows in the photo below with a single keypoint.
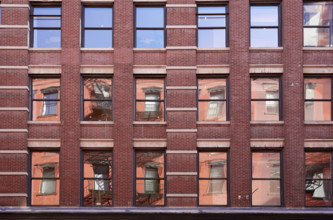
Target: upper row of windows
[{"x": 212, "y": 23}]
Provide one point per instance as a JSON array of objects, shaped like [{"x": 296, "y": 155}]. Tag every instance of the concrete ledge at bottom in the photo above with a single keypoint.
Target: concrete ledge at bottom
[
  {"x": 262, "y": 143},
  {"x": 13, "y": 195},
  {"x": 96, "y": 143},
  {"x": 44, "y": 142},
  {"x": 149, "y": 142},
  {"x": 214, "y": 143},
  {"x": 318, "y": 143}
]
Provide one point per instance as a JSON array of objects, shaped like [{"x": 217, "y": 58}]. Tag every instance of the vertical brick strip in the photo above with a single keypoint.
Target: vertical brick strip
[
  {"x": 240, "y": 164},
  {"x": 123, "y": 103},
  {"x": 70, "y": 104},
  {"x": 293, "y": 103}
]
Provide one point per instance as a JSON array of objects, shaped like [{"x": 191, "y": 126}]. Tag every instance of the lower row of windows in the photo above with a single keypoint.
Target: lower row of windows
[{"x": 150, "y": 181}]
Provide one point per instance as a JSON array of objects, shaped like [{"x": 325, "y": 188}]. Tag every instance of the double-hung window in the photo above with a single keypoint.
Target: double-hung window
[
  {"x": 45, "y": 27},
  {"x": 97, "y": 27},
  {"x": 149, "y": 178},
  {"x": 212, "y": 26},
  {"x": 150, "y": 27},
  {"x": 265, "y": 26},
  {"x": 318, "y": 24},
  {"x": 318, "y": 99}
]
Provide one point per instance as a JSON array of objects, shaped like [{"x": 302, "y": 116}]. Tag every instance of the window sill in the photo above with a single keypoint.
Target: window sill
[
  {"x": 317, "y": 48},
  {"x": 46, "y": 194},
  {"x": 318, "y": 122},
  {"x": 149, "y": 122},
  {"x": 44, "y": 122},
  {"x": 149, "y": 49},
  {"x": 96, "y": 122},
  {"x": 97, "y": 49},
  {"x": 266, "y": 122},
  {"x": 266, "y": 48},
  {"x": 213, "y": 49},
  {"x": 213, "y": 122},
  {"x": 45, "y": 49}
]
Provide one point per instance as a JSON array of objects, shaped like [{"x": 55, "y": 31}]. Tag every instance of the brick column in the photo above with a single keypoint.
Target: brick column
[
  {"x": 240, "y": 164},
  {"x": 293, "y": 103},
  {"x": 70, "y": 104},
  {"x": 123, "y": 103}
]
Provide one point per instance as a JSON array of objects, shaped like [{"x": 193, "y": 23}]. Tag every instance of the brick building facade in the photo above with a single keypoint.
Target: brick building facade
[{"x": 203, "y": 108}]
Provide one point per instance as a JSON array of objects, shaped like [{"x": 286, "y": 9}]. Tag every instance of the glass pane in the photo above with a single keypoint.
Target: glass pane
[
  {"x": 98, "y": 38},
  {"x": 38, "y": 197},
  {"x": 213, "y": 165},
  {"x": 318, "y": 192},
  {"x": 266, "y": 192},
  {"x": 149, "y": 38},
  {"x": 318, "y": 165},
  {"x": 149, "y": 111},
  {"x": 46, "y": 110},
  {"x": 47, "y": 38},
  {"x": 150, "y": 17},
  {"x": 41, "y": 161},
  {"x": 317, "y": 111},
  {"x": 264, "y": 88},
  {"x": 150, "y": 89},
  {"x": 262, "y": 37},
  {"x": 144, "y": 197},
  {"x": 213, "y": 192},
  {"x": 211, "y": 20},
  {"x": 97, "y": 111},
  {"x": 97, "y": 192},
  {"x": 46, "y": 88},
  {"x": 212, "y": 89},
  {"x": 264, "y": 110},
  {"x": 97, "y": 88},
  {"x": 47, "y": 11},
  {"x": 47, "y": 22},
  {"x": 145, "y": 161},
  {"x": 316, "y": 37},
  {"x": 97, "y": 164},
  {"x": 98, "y": 17},
  {"x": 264, "y": 15},
  {"x": 265, "y": 165},
  {"x": 316, "y": 15},
  {"x": 212, "y": 110},
  {"x": 211, "y": 10},
  {"x": 317, "y": 88},
  {"x": 212, "y": 38}
]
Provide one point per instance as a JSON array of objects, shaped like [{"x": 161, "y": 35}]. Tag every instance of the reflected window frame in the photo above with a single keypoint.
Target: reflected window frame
[
  {"x": 226, "y": 178},
  {"x": 281, "y": 179},
  {"x": 95, "y": 179},
  {"x": 43, "y": 179},
  {"x": 158, "y": 179},
  {"x": 45, "y": 106},
  {"x": 226, "y": 28},
  {"x": 319, "y": 100},
  {"x": 33, "y": 28},
  {"x": 279, "y": 100},
  {"x": 278, "y": 27},
  {"x": 329, "y": 26},
  {"x": 83, "y": 100},
  {"x": 148, "y": 100},
  {"x": 150, "y": 28},
  {"x": 83, "y": 29}
]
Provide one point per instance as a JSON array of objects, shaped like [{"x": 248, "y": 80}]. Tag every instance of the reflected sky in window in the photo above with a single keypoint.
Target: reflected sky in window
[
  {"x": 149, "y": 38},
  {"x": 150, "y": 17},
  {"x": 264, "y": 15},
  {"x": 47, "y": 38},
  {"x": 98, "y": 17}
]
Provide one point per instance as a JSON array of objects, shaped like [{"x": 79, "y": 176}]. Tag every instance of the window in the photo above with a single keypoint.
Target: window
[
  {"x": 212, "y": 99},
  {"x": 45, "y": 99},
  {"x": 318, "y": 99},
  {"x": 149, "y": 99},
  {"x": 45, "y": 182},
  {"x": 212, "y": 26},
  {"x": 318, "y": 179},
  {"x": 97, "y": 27},
  {"x": 97, "y": 178},
  {"x": 266, "y": 179},
  {"x": 45, "y": 27},
  {"x": 150, "y": 27},
  {"x": 318, "y": 24},
  {"x": 149, "y": 177},
  {"x": 97, "y": 99},
  {"x": 265, "y": 26},
  {"x": 265, "y": 99},
  {"x": 213, "y": 178}
]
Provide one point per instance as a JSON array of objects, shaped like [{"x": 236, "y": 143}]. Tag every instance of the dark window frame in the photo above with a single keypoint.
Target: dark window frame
[
  {"x": 226, "y": 28},
  {"x": 29, "y": 185},
  {"x": 149, "y": 28},
  {"x": 149, "y": 77},
  {"x": 278, "y": 27},
  {"x": 33, "y": 28},
  {"x": 31, "y": 93},
  {"x": 83, "y": 28},
  {"x": 226, "y": 99},
  {"x": 330, "y": 26},
  {"x": 281, "y": 179},
  {"x": 280, "y": 99},
  {"x": 227, "y": 178},
  {"x": 82, "y": 99},
  {"x": 135, "y": 178}
]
